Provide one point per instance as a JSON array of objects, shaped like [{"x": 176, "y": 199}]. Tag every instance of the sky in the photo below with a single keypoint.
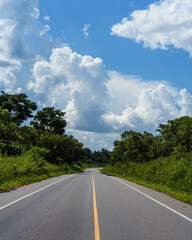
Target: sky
[{"x": 111, "y": 65}]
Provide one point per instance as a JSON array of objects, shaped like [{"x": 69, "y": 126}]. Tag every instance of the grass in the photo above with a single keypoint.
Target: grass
[
  {"x": 167, "y": 174},
  {"x": 28, "y": 168}
]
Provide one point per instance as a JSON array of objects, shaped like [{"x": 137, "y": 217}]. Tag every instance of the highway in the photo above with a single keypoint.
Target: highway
[{"x": 92, "y": 206}]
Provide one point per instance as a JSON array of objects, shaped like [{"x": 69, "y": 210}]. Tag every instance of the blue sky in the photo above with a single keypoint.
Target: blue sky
[
  {"x": 118, "y": 54},
  {"x": 111, "y": 65}
]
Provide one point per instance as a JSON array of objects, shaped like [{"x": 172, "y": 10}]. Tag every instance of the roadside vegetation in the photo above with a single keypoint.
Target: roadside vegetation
[
  {"x": 40, "y": 150},
  {"x": 163, "y": 162}
]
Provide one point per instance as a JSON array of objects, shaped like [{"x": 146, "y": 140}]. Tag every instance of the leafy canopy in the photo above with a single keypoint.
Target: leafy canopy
[
  {"x": 49, "y": 120},
  {"x": 18, "y": 106},
  {"x": 9, "y": 135}
]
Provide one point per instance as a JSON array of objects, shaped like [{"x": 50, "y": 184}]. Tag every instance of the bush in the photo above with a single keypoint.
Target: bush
[
  {"x": 29, "y": 163},
  {"x": 167, "y": 171}
]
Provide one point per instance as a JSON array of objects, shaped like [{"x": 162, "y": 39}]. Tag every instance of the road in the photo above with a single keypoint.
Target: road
[{"x": 90, "y": 205}]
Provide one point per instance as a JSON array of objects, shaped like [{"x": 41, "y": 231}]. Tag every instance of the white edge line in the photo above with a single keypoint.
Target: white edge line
[
  {"x": 153, "y": 199},
  {"x": 28, "y": 195}
]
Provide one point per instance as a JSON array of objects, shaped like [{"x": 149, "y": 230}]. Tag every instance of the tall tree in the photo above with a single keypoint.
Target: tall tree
[
  {"x": 29, "y": 136},
  {"x": 177, "y": 131},
  {"x": 9, "y": 135},
  {"x": 49, "y": 121},
  {"x": 18, "y": 105}
]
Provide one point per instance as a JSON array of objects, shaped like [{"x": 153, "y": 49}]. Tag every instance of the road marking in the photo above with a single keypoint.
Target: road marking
[
  {"x": 28, "y": 195},
  {"x": 153, "y": 199},
  {"x": 96, "y": 222}
]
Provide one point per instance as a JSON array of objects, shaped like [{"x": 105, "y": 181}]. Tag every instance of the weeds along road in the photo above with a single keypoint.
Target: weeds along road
[{"x": 91, "y": 205}]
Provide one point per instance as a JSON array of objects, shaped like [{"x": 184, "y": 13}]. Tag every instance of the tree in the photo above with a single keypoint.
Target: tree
[
  {"x": 87, "y": 155},
  {"x": 117, "y": 154},
  {"x": 63, "y": 149},
  {"x": 18, "y": 106},
  {"x": 136, "y": 147},
  {"x": 29, "y": 136},
  {"x": 105, "y": 156},
  {"x": 49, "y": 121},
  {"x": 9, "y": 135},
  {"x": 177, "y": 132}
]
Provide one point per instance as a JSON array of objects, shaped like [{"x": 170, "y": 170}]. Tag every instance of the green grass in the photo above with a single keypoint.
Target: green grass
[
  {"x": 28, "y": 168},
  {"x": 169, "y": 175}
]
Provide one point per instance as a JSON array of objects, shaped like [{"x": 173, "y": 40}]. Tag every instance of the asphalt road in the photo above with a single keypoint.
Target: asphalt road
[{"x": 91, "y": 205}]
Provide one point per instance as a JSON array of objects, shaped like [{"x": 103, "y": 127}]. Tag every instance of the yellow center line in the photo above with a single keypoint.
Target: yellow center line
[{"x": 96, "y": 222}]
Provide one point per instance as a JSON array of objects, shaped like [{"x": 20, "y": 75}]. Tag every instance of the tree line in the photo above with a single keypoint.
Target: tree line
[
  {"x": 173, "y": 137},
  {"x": 43, "y": 148},
  {"x": 162, "y": 161},
  {"x": 46, "y": 133}
]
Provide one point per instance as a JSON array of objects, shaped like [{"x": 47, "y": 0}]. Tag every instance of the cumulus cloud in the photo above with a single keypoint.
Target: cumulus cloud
[
  {"x": 77, "y": 83},
  {"x": 185, "y": 103},
  {"x": 19, "y": 27},
  {"x": 21, "y": 37},
  {"x": 85, "y": 30},
  {"x": 165, "y": 23},
  {"x": 148, "y": 104},
  {"x": 96, "y": 141},
  {"x": 125, "y": 90},
  {"x": 101, "y": 101}
]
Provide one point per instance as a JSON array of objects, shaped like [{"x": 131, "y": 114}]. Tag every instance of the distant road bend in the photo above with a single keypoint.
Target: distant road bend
[{"x": 92, "y": 206}]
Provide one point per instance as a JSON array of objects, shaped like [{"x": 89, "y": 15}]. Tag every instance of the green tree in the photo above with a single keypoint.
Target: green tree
[
  {"x": 49, "y": 121},
  {"x": 87, "y": 155},
  {"x": 18, "y": 106},
  {"x": 157, "y": 148},
  {"x": 177, "y": 132},
  {"x": 9, "y": 135},
  {"x": 105, "y": 156},
  {"x": 117, "y": 154},
  {"x": 64, "y": 149},
  {"x": 135, "y": 147},
  {"x": 30, "y": 137}
]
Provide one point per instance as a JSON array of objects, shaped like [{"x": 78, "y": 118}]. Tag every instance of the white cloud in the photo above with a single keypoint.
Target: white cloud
[
  {"x": 96, "y": 141},
  {"x": 97, "y": 100},
  {"x": 19, "y": 29},
  {"x": 185, "y": 103},
  {"x": 35, "y": 13},
  {"x": 151, "y": 103},
  {"x": 85, "y": 30},
  {"x": 125, "y": 90},
  {"x": 45, "y": 29},
  {"x": 22, "y": 37},
  {"x": 77, "y": 84},
  {"x": 165, "y": 23},
  {"x": 47, "y": 18}
]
